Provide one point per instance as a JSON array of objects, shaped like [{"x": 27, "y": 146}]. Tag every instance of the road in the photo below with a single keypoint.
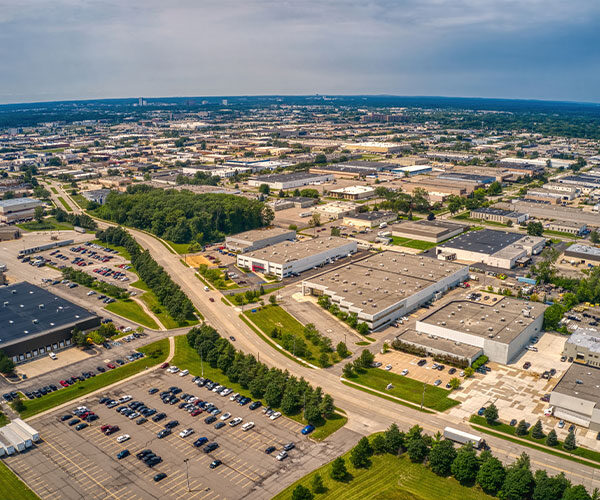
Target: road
[{"x": 366, "y": 413}]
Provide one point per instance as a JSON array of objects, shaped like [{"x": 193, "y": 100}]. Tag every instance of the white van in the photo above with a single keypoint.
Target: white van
[{"x": 52, "y": 355}]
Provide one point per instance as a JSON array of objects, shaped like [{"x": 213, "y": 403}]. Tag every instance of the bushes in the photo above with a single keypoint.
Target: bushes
[
  {"x": 351, "y": 319},
  {"x": 481, "y": 360},
  {"x": 81, "y": 220},
  {"x": 409, "y": 348}
]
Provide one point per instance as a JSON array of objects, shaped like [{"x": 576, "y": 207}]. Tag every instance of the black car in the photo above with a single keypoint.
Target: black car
[
  {"x": 81, "y": 426},
  {"x": 164, "y": 433},
  {"x": 210, "y": 420},
  {"x": 219, "y": 425},
  {"x": 154, "y": 390},
  {"x": 215, "y": 463},
  {"x": 452, "y": 371},
  {"x": 141, "y": 420},
  {"x": 289, "y": 446},
  {"x": 73, "y": 422},
  {"x": 143, "y": 453},
  {"x": 270, "y": 450},
  {"x": 159, "y": 477},
  {"x": 171, "y": 424},
  {"x": 513, "y": 422},
  {"x": 65, "y": 417},
  {"x": 158, "y": 417},
  {"x": 210, "y": 447},
  {"x": 255, "y": 405}
]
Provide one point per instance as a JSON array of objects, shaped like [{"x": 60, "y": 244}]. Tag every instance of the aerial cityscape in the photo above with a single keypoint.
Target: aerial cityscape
[{"x": 333, "y": 288}]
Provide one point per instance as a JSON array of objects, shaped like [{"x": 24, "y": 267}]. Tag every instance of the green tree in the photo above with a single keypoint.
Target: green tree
[
  {"x": 302, "y": 493},
  {"x": 366, "y": 358},
  {"x": 335, "y": 231},
  {"x": 577, "y": 492},
  {"x": 535, "y": 228},
  {"x": 518, "y": 484},
  {"x": 494, "y": 189},
  {"x": 491, "y": 475},
  {"x": 551, "y": 439},
  {"x": 570, "y": 443},
  {"x": 38, "y": 214},
  {"x": 17, "y": 404},
  {"x": 320, "y": 158},
  {"x": 348, "y": 370},
  {"x": 441, "y": 456},
  {"x": 466, "y": 465},
  {"x": 454, "y": 383},
  {"x": 491, "y": 414},
  {"x": 338, "y": 469},
  {"x": 379, "y": 444},
  {"x": 6, "y": 364},
  {"x": 327, "y": 407},
  {"x": 317, "y": 484},
  {"x": 394, "y": 440},
  {"x": 416, "y": 445},
  {"x": 342, "y": 350},
  {"x": 264, "y": 189},
  {"x": 595, "y": 237},
  {"x": 521, "y": 429},
  {"x": 549, "y": 488},
  {"x": 537, "y": 431},
  {"x": 272, "y": 299},
  {"x": 362, "y": 328},
  {"x": 359, "y": 456}
]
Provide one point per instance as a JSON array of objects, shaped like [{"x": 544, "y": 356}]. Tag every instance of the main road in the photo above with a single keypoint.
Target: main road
[{"x": 366, "y": 413}]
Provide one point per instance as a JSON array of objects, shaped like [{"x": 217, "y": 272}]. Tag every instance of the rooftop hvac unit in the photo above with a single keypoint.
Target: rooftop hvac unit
[
  {"x": 443, "y": 323},
  {"x": 491, "y": 336},
  {"x": 5, "y": 303},
  {"x": 370, "y": 300},
  {"x": 359, "y": 292},
  {"x": 14, "y": 292},
  {"x": 502, "y": 319},
  {"x": 490, "y": 328},
  {"x": 345, "y": 290},
  {"x": 41, "y": 306},
  {"x": 364, "y": 302},
  {"x": 35, "y": 321}
]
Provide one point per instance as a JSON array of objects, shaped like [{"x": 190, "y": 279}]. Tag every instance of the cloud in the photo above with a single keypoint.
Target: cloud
[{"x": 64, "y": 49}]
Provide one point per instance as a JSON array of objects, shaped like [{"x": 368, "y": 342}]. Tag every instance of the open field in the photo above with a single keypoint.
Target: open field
[
  {"x": 48, "y": 224},
  {"x": 388, "y": 478},
  {"x": 12, "y": 488},
  {"x": 408, "y": 243},
  {"x": 132, "y": 311},
  {"x": 155, "y": 353}
]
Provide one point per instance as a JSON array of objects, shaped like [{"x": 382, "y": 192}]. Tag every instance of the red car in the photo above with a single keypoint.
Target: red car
[
  {"x": 110, "y": 365},
  {"x": 64, "y": 383},
  {"x": 196, "y": 413},
  {"x": 111, "y": 430},
  {"x": 105, "y": 428},
  {"x": 164, "y": 365}
]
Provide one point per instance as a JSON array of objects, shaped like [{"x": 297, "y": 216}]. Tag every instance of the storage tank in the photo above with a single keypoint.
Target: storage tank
[
  {"x": 35, "y": 435},
  {"x": 13, "y": 438}
]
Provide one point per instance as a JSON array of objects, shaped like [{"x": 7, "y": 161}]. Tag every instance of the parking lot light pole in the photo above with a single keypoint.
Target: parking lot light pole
[{"x": 187, "y": 473}]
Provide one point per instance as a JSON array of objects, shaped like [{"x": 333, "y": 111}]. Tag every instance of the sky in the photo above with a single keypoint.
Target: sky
[{"x": 81, "y": 49}]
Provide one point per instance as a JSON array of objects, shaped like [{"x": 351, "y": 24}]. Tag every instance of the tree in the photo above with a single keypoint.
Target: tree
[
  {"x": 342, "y": 350},
  {"x": 491, "y": 414},
  {"x": 415, "y": 444},
  {"x": 302, "y": 493},
  {"x": 535, "y": 228},
  {"x": 264, "y": 189},
  {"x": 518, "y": 484},
  {"x": 454, "y": 383},
  {"x": 521, "y": 429},
  {"x": 17, "y": 404},
  {"x": 576, "y": 493},
  {"x": 6, "y": 364},
  {"x": 494, "y": 189},
  {"x": 320, "y": 158},
  {"x": 595, "y": 237},
  {"x": 315, "y": 220},
  {"x": 362, "y": 328},
  {"x": 570, "y": 443},
  {"x": 317, "y": 484},
  {"x": 327, "y": 407},
  {"x": 379, "y": 444},
  {"x": 359, "y": 456},
  {"x": 394, "y": 440},
  {"x": 338, "y": 469},
  {"x": 272, "y": 299},
  {"x": 335, "y": 231},
  {"x": 441, "y": 456},
  {"x": 549, "y": 488},
  {"x": 348, "y": 370},
  {"x": 551, "y": 439},
  {"x": 466, "y": 465},
  {"x": 491, "y": 475},
  {"x": 366, "y": 358},
  {"x": 38, "y": 213},
  {"x": 537, "y": 431}
]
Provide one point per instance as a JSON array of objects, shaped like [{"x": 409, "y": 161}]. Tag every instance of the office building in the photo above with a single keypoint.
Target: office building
[
  {"x": 499, "y": 215},
  {"x": 353, "y": 192},
  {"x": 369, "y": 219}
]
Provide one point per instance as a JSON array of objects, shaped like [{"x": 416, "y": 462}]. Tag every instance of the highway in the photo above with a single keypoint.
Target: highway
[{"x": 366, "y": 413}]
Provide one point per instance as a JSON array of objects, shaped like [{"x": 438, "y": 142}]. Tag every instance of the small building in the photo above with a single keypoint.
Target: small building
[
  {"x": 576, "y": 397},
  {"x": 97, "y": 195},
  {"x": 18, "y": 209},
  {"x": 336, "y": 209},
  {"x": 434, "y": 231},
  {"x": 583, "y": 345},
  {"x": 468, "y": 178},
  {"x": 583, "y": 252},
  {"x": 353, "y": 192},
  {"x": 6, "y": 448},
  {"x": 369, "y": 219},
  {"x": 342, "y": 171},
  {"x": 411, "y": 170},
  {"x": 290, "y": 181},
  {"x": 17, "y": 442},
  {"x": 575, "y": 228},
  {"x": 258, "y": 238},
  {"x": 499, "y": 215},
  {"x": 9, "y": 233}
]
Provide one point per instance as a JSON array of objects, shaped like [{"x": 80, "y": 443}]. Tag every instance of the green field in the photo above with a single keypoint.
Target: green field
[
  {"x": 388, "y": 478},
  {"x": 406, "y": 388},
  {"x": 65, "y": 204},
  {"x": 163, "y": 316},
  {"x": 140, "y": 285},
  {"x": 54, "y": 190},
  {"x": 188, "y": 358},
  {"x": 180, "y": 248},
  {"x": 12, "y": 488},
  {"x": 416, "y": 244},
  {"x": 48, "y": 224},
  {"x": 270, "y": 317},
  {"x": 80, "y": 200},
  {"x": 156, "y": 353},
  {"x": 132, "y": 311}
]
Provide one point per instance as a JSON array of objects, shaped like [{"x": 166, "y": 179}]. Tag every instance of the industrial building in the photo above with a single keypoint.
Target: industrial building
[
  {"x": 502, "y": 328},
  {"x": 336, "y": 209},
  {"x": 18, "y": 209},
  {"x": 554, "y": 213},
  {"x": 17, "y": 436},
  {"x": 36, "y": 321},
  {"x": 369, "y": 219},
  {"x": 499, "y": 215},
  {"x": 9, "y": 233},
  {"x": 469, "y": 178},
  {"x": 290, "y": 181},
  {"x": 433, "y": 346},
  {"x": 576, "y": 228},
  {"x": 576, "y": 397},
  {"x": 434, "y": 231},
  {"x": 411, "y": 170},
  {"x": 501, "y": 249},
  {"x": 343, "y": 171},
  {"x": 386, "y": 286},
  {"x": 291, "y": 258},
  {"x": 353, "y": 192},
  {"x": 96, "y": 195},
  {"x": 376, "y": 147},
  {"x": 258, "y": 238},
  {"x": 583, "y": 252},
  {"x": 583, "y": 346}
]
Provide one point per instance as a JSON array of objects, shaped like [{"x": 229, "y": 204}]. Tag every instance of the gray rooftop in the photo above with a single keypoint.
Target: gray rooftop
[
  {"x": 487, "y": 241},
  {"x": 289, "y": 251},
  {"x": 586, "y": 337},
  {"x": 294, "y": 176},
  {"x": 588, "y": 389},
  {"x": 255, "y": 235},
  {"x": 459, "y": 349},
  {"x": 584, "y": 249}
]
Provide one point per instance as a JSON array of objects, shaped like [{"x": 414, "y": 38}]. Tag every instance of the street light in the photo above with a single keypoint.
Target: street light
[{"x": 187, "y": 472}]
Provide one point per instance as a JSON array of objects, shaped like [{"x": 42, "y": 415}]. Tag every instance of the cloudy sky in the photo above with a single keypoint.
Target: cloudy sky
[{"x": 72, "y": 49}]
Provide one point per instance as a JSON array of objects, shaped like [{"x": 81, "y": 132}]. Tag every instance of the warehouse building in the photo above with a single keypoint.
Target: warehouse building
[
  {"x": 433, "y": 346},
  {"x": 546, "y": 211},
  {"x": 9, "y": 233},
  {"x": 583, "y": 346},
  {"x": 576, "y": 397},
  {"x": 469, "y": 178},
  {"x": 369, "y": 219},
  {"x": 583, "y": 252},
  {"x": 18, "y": 209},
  {"x": 501, "y": 249},
  {"x": 502, "y": 328},
  {"x": 386, "y": 286},
  {"x": 353, "y": 192},
  {"x": 290, "y": 181},
  {"x": 434, "y": 231},
  {"x": 343, "y": 171},
  {"x": 96, "y": 195},
  {"x": 499, "y": 215},
  {"x": 377, "y": 147},
  {"x": 257, "y": 239},
  {"x": 291, "y": 258},
  {"x": 411, "y": 170},
  {"x": 576, "y": 228},
  {"x": 336, "y": 209},
  {"x": 36, "y": 321}
]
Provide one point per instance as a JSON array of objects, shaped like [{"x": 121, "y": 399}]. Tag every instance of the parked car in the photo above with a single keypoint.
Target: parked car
[
  {"x": 123, "y": 454},
  {"x": 308, "y": 429}
]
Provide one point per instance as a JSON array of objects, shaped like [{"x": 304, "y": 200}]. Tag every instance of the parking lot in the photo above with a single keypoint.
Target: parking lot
[{"x": 70, "y": 463}]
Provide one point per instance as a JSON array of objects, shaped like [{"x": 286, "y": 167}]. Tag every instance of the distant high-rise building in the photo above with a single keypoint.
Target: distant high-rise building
[{"x": 140, "y": 101}]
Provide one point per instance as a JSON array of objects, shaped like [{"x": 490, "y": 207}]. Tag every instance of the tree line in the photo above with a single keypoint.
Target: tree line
[
  {"x": 85, "y": 279},
  {"x": 183, "y": 216},
  {"x": 168, "y": 293},
  {"x": 81, "y": 220},
  {"x": 278, "y": 388},
  {"x": 198, "y": 179},
  {"x": 513, "y": 482}
]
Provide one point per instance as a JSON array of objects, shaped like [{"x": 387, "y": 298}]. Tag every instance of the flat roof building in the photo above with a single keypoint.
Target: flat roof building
[
  {"x": 96, "y": 195},
  {"x": 386, "y": 286},
  {"x": 433, "y": 345},
  {"x": 470, "y": 178},
  {"x": 498, "y": 215},
  {"x": 576, "y": 397},
  {"x": 258, "y": 238},
  {"x": 434, "y": 231},
  {"x": 18, "y": 209},
  {"x": 583, "y": 252},
  {"x": 353, "y": 192},
  {"x": 336, "y": 209},
  {"x": 583, "y": 345},
  {"x": 290, "y": 181},
  {"x": 502, "y": 329},
  {"x": 291, "y": 258},
  {"x": 369, "y": 219},
  {"x": 36, "y": 321},
  {"x": 342, "y": 171}
]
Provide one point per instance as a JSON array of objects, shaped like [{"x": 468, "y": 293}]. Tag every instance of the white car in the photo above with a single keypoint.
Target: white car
[
  {"x": 124, "y": 399},
  {"x": 275, "y": 415},
  {"x": 184, "y": 373},
  {"x": 247, "y": 426},
  {"x": 225, "y": 416},
  {"x": 437, "y": 382},
  {"x": 233, "y": 396},
  {"x": 52, "y": 355},
  {"x": 462, "y": 373},
  {"x": 122, "y": 438},
  {"x": 226, "y": 392},
  {"x": 404, "y": 372},
  {"x": 282, "y": 455},
  {"x": 548, "y": 411},
  {"x": 388, "y": 367},
  {"x": 91, "y": 292},
  {"x": 236, "y": 421},
  {"x": 127, "y": 329},
  {"x": 186, "y": 432},
  {"x": 173, "y": 369}
]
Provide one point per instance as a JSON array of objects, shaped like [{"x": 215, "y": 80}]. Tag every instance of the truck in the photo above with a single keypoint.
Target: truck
[
  {"x": 463, "y": 437},
  {"x": 529, "y": 281}
]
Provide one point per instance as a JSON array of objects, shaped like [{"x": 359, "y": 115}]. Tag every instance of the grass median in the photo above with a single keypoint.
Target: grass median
[
  {"x": 131, "y": 310},
  {"x": 11, "y": 487},
  {"x": 161, "y": 313},
  {"x": 405, "y": 388},
  {"x": 188, "y": 358},
  {"x": 65, "y": 204},
  {"x": 155, "y": 353}
]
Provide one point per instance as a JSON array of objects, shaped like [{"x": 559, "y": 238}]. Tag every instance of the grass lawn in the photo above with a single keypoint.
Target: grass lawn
[
  {"x": 419, "y": 244},
  {"x": 406, "y": 388},
  {"x": 48, "y": 224},
  {"x": 270, "y": 317},
  {"x": 54, "y": 190},
  {"x": 80, "y": 200},
  {"x": 187, "y": 358},
  {"x": 140, "y": 285},
  {"x": 11, "y": 487},
  {"x": 65, "y": 204},
  {"x": 396, "y": 240},
  {"x": 3, "y": 419},
  {"x": 156, "y": 353},
  {"x": 121, "y": 250},
  {"x": 388, "y": 478},
  {"x": 132, "y": 311},
  {"x": 561, "y": 233},
  {"x": 164, "y": 317},
  {"x": 180, "y": 248}
]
